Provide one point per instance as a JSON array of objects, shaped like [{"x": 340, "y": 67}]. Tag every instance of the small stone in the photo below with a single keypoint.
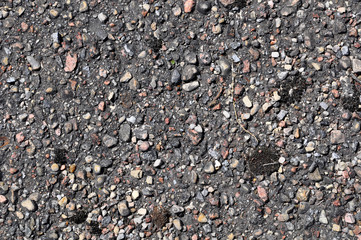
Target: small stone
[
  {"x": 123, "y": 209},
  {"x": 286, "y": 11},
  {"x": 19, "y": 215},
  {"x": 63, "y": 201},
  {"x": 324, "y": 106},
  {"x": 125, "y": 132},
  {"x": 175, "y": 77},
  {"x": 349, "y": 218},
  {"x": 356, "y": 65},
  {"x": 29, "y": 205},
  {"x": 310, "y": 147},
  {"x": 188, "y": 87},
  {"x": 54, "y": 13},
  {"x": 135, "y": 194},
  {"x": 247, "y": 102},
  {"x": 336, "y": 227},
  {"x": 209, "y": 167},
  {"x": 337, "y": 137},
  {"x": 142, "y": 211},
  {"x": 177, "y": 11},
  {"x": 177, "y": 224},
  {"x": 126, "y": 77},
  {"x": 54, "y": 167},
  {"x": 282, "y": 75},
  {"x": 3, "y": 199},
  {"x": 70, "y": 62},
  {"x": 315, "y": 175},
  {"x": 323, "y": 218},
  {"x": 35, "y": 65},
  {"x": 345, "y": 63},
  {"x": 191, "y": 58},
  {"x": 109, "y": 141},
  {"x": 225, "y": 67},
  {"x": 136, "y": 173},
  {"x": 227, "y": 3},
  {"x": 97, "y": 168},
  {"x": 316, "y": 66},
  {"x": 303, "y": 194},
  {"x": 203, "y": 7},
  {"x": 217, "y": 29},
  {"x": 83, "y": 6},
  {"x": 262, "y": 193},
  {"x": 188, "y": 6},
  {"x": 189, "y": 72},
  {"x": 134, "y": 84},
  {"x": 102, "y": 17},
  {"x": 283, "y": 217},
  {"x": 202, "y": 218},
  {"x": 281, "y": 115}
]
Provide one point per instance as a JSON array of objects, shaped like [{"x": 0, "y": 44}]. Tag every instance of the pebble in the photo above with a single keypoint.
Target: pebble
[
  {"x": 315, "y": 175},
  {"x": 125, "y": 132},
  {"x": 323, "y": 217},
  {"x": 225, "y": 67},
  {"x": 188, "y": 87},
  {"x": 63, "y": 201},
  {"x": 136, "y": 173},
  {"x": 110, "y": 141},
  {"x": 247, "y": 102},
  {"x": 189, "y": 5},
  {"x": 303, "y": 193},
  {"x": 189, "y": 72},
  {"x": 54, "y": 167},
  {"x": 126, "y": 77},
  {"x": 135, "y": 194},
  {"x": 102, "y": 17},
  {"x": 175, "y": 77},
  {"x": 203, "y": 7},
  {"x": 35, "y": 65},
  {"x": 356, "y": 65},
  {"x": 202, "y": 218},
  {"x": 71, "y": 62},
  {"x": 177, "y": 224},
  {"x": 123, "y": 209},
  {"x": 83, "y": 6},
  {"x": 29, "y": 205},
  {"x": 209, "y": 167},
  {"x": 337, "y": 137}
]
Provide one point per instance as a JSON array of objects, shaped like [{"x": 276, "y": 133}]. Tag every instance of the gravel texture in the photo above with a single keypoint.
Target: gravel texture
[{"x": 155, "y": 119}]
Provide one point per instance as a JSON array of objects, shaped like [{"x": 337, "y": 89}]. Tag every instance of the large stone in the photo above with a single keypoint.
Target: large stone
[
  {"x": 125, "y": 132},
  {"x": 123, "y": 209},
  {"x": 188, "y": 87},
  {"x": 337, "y": 137},
  {"x": 189, "y": 73},
  {"x": 356, "y": 65},
  {"x": 303, "y": 193},
  {"x": 28, "y": 204},
  {"x": 109, "y": 141},
  {"x": 35, "y": 65}
]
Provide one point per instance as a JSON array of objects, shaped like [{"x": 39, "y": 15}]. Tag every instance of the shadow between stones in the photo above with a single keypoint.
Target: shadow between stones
[{"x": 263, "y": 161}]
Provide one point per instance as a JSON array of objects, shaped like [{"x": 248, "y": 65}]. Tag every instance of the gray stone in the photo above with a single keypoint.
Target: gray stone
[
  {"x": 188, "y": 87},
  {"x": 102, "y": 17},
  {"x": 123, "y": 209},
  {"x": 125, "y": 132},
  {"x": 324, "y": 105},
  {"x": 175, "y": 209},
  {"x": 322, "y": 218},
  {"x": 225, "y": 67},
  {"x": 281, "y": 115},
  {"x": 209, "y": 167},
  {"x": 337, "y": 137},
  {"x": 189, "y": 73},
  {"x": 286, "y": 11},
  {"x": 109, "y": 141},
  {"x": 356, "y": 65},
  {"x": 282, "y": 75},
  {"x": 339, "y": 27},
  {"x": 35, "y": 65},
  {"x": 203, "y": 6},
  {"x": 345, "y": 51},
  {"x": 315, "y": 175},
  {"x": 191, "y": 58},
  {"x": 176, "y": 77}
]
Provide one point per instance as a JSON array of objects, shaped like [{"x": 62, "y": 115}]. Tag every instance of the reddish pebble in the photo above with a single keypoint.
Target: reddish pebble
[
  {"x": 3, "y": 199},
  {"x": 335, "y": 93},
  {"x": 144, "y": 146},
  {"x": 70, "y": 63},
  {"x": 101, "y": 106},
  {"x": 20, "y": 137},
  {"x": 188, "y": 6},
  {"x": 262, "y": 193},
  {"x": 194, "y": 237},
  {"x": 246, "y": 66}
]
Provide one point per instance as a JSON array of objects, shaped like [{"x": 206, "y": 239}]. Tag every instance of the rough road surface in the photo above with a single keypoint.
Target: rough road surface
[{"x": 170, "y": 119}]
